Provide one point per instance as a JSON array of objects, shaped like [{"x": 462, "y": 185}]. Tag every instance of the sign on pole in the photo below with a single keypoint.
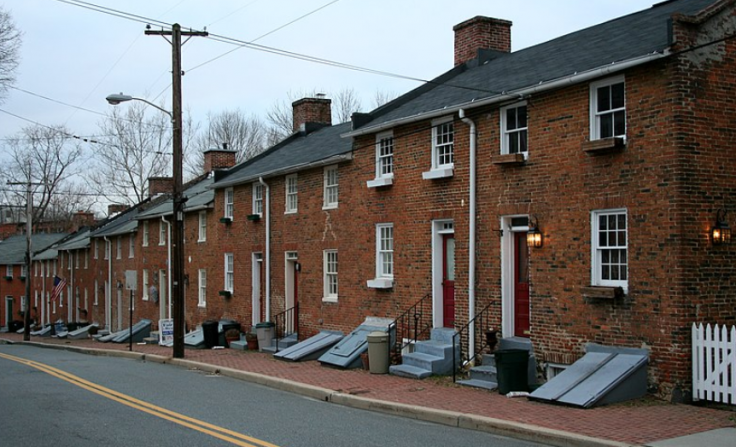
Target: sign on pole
[{"x": 166, "y": 332}]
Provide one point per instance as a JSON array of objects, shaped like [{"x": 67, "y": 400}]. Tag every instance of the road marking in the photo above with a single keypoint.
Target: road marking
[{"x": 177, "y": 418}]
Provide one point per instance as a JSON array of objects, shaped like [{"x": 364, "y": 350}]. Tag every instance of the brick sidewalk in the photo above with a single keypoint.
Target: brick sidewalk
[{"x": 637, "y": 422}]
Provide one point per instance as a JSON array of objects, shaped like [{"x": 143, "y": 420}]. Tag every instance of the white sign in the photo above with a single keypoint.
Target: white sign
[
  {"x": 166, "y": 332},
  {"x": 131, "y": 280}
]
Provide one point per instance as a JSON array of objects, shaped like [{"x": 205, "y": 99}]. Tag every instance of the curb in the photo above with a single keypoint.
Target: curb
[{"x": 450, "y": 418}]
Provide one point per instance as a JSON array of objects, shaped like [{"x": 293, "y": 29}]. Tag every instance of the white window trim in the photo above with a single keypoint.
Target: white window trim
[
  {"x": 161, "y": 233},
  {"x": 257, "y": 199},
  {"x": 382, "y": 179},
  {"x": 382, "y": 281},
  {"x": 595, "y": 263},
  {"x": 9, "y": 271},
  {"x": 131, "y": 246},
  {"x": 438, "y": 171},
  {"x": 202, "y": 288},
  {"x": 202, "y": 232},
  {"x": 144, "y": 291},
  {"x": 229, "y": 287},
  {"x": 145, "y": 234},
  {"x": 289, "y": 194},
  {"x": 330, "y": 205},
  {"x": 594, "y": 86},
  {"x": 327, "y": 296},
  {"x": 229, "y": 203},
  {"x": 504, "y": 131}
]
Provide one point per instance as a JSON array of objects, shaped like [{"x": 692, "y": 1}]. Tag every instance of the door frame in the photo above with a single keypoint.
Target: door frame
[
  {"x": 291, "y": 286},
  {"x": 257, "y": 269},
  {"x": 8, "y": 310},
  {"x": 439, "y": 229},
  {"x": 507, "y": 271}
]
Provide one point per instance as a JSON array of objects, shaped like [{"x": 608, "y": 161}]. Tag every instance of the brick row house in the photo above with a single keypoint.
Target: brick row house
[{"x": 569, "y": 191}]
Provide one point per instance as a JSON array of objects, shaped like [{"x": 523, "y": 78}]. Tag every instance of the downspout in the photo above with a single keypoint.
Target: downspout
[
  {"x": 108, "y": 289},
  {"x": 71, "y": 284},
  {"x": 267, "y": 211},
  {"x": 168, "y": 264},
  {"x": 471, "y": 236}
]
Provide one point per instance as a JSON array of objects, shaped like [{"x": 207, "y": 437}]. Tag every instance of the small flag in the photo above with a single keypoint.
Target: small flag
[{"x": 59, "y": 284}]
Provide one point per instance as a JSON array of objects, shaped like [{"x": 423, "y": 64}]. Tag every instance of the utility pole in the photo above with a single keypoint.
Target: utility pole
[{"x": 177, "y": 233}]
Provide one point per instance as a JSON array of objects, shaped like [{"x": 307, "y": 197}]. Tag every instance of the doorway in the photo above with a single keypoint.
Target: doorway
[
  {"x": 8, "y": 310},
  {"x": 443, "y": 273},
  {"x": 516, "y": 304},
  {"x": 292, "y": 290},
  {"x": 257, "y": 296}
]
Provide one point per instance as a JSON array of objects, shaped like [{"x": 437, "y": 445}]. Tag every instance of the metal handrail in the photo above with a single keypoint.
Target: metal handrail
[
  {"x": 482, "y": 324},
  {"x": 414, "y": 323},
  {"x": 280, "y": 323}
]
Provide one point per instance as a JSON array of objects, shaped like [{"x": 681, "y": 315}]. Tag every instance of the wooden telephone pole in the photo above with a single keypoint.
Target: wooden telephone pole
[{"x": 177, "y": 233}]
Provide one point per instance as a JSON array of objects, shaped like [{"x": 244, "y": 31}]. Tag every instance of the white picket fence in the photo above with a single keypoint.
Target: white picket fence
[{"x": 714, "y": 363}]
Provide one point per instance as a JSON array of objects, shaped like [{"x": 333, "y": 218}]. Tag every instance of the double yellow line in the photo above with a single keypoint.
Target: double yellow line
[{"x": 195, "y": 424}]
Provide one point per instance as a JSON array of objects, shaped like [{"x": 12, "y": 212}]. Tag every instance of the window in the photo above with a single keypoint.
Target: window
[
  {"x": 384, "y": 257},
  {"x": 131, "y": 245},
  {"x": 145, "y": 234},
  {"x": 330, "y": 278},
  {"x": 229, "y": 197},
  {"x": 35, "y": 269},
  {"x": 202, "y": 226},
  {"x": 610, "y": 249},
  {"x": 608, "y": 109},
  {"x": 69, "y": 260},
  {"x": 97, "y": 249},
  {"x": 76, "y": 260},
  {"x": 292, "y": 199},
  {"x": 514, "y": 129},
  {"x": 202, "y": 301},
  {"x": 229, "y": 273},
  {"x": 144, "y": 291},
  {"x": 257, "y": 198},
  {"x": 443, "y": 149},
  {"x": 162, "y": 233},
  {"x": 107, "y": 250},
  {"x": 23, "y": 272},
  {"x": 86, "y": 258},
  {"x": 331, "y": 191},
  {"x": 384, "y": 160},
  {"x": 9, "y": 271},
  {"x": 118, "y": 248},
  {"x": 97, "y": 294}
]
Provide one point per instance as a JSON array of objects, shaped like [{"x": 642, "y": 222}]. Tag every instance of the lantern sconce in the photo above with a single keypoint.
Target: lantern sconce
[
  {"x": 533, "y": 235},
  {"x": 721, "y": 232}
]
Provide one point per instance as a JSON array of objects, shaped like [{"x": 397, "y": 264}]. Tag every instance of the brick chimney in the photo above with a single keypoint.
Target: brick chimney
[
  {"x": 312, "y": 110},
  {"x": 160, "y": 185},
  {"x": 115, "y": 208},
  {"x": 218, "y": 158},
  {"x": 82, "y": 219},
  {"x": 481, "y": 33}
]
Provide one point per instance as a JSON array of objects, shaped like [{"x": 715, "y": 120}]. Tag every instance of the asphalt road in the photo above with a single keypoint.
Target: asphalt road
[{"x": 71, "y": 399}]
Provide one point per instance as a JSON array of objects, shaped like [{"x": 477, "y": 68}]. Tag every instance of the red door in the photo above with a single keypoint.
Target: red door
[
  {"x": 521, "y": 286},
  {"x": 448, "y": 280}
]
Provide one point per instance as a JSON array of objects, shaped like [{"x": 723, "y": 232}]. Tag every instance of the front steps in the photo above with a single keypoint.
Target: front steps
[
  {"x": 431, "y": 357},
  {"x": 283, "y": 343},
  {"x": 486, "y": 374}
]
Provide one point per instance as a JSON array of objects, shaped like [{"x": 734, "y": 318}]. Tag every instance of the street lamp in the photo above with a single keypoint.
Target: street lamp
[{"x": 177, "y": 233}]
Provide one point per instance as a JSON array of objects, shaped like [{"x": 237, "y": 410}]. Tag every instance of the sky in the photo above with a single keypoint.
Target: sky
[{"x": 73, "y": 57}]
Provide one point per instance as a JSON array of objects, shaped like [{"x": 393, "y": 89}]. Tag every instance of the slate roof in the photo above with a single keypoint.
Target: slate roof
[
  {"x": 123, "y": 223},
  {"x": 622, "y": 39},
  {"x": 298, "y": 151},
  {"x": 77, "y": 241},
  {"x": 13, "y": 249},
  {"x": 199, "y": 196}
]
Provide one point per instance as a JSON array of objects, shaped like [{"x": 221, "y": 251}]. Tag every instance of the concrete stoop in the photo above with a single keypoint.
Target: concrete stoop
[
  {"x": 485, "y": 375},
  {"x": 430, "y": 357},
  {"x": 283, "y": 343}
]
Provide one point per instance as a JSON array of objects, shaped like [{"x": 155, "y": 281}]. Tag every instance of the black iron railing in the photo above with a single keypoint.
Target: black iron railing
[
  {"x": 413, "y": 325},
  {"x": 286, "y": 323},
  {"x": 485, "y": 335}
]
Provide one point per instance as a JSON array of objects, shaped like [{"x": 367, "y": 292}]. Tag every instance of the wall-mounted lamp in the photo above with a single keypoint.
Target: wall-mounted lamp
[
  {"x": 721, "y": 232},
  {"x": 533, "y": 235}
]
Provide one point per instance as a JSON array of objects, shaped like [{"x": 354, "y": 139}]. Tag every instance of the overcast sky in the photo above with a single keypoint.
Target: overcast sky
[{"x": 76, "y": 56}]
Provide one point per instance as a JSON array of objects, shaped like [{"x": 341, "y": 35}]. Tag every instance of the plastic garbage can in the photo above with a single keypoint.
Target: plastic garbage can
[
  {"x": 265, "y": 332},
  {"x": 512, "y": 365},
  {"x": 378, "y": 352},
  {"x": 209, "y": 331}
]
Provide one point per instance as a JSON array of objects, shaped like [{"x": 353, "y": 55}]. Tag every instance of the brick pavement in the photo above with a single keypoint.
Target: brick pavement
[{"x": 637, "y": 422}]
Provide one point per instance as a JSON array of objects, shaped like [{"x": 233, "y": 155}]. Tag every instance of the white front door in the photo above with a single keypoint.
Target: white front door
[
  {"x": 256, "y": 281},
  {"x": 443, "y": 232}
]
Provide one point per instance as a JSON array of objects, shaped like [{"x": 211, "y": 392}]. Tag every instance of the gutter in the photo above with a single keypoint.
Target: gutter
[
  {"x": 471, "y": 236},
  {"x": 613, "y": 67},
  {"x": 268, "y": 247}
]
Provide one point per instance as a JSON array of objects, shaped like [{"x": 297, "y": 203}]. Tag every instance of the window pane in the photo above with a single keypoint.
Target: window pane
[
  {"x": 617, "y": 96},
  {"x": 619, "y": 119},
  {"x": 606, "y": 125},
  {"x": 604, "y": 99},
  {"x": 513, "y": 143},
  {"x": 605, "y": 273},
  {"x": 522, "y": 141},
  {"x": 511, "y": 119}
]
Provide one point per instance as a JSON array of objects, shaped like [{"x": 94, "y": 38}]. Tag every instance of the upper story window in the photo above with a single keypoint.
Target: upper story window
[
  {"x": 162, "y": 233},
  {"x": 514, "y": 129},
  {"x": 202, "y": 226},
  {"x": 86, "y": 258},
  {"x": 145, "y": 233},
  {"x": 144, "y": 291},
  {"x": 608, "y": 108},
  {"x": 443, "y": 149},
  {"x": 384, "y": 257},
  {"x": 118, "y": 249},
  {"x": 292, "y": 198},
  {"x": 23, "y": 272},
  {"x": 330, "y": 188},
  {"x": 229, "y": 272},
  {"x": 258, "y": 198},
  {"x": 384, "y": 160},
  {"x": 97, "y": 249},
  {"x": 610, "y": 248},
  {"x": 131, "y": 245},
  {"x": 9, "y": 271},
  {"x": 107, "y": 250},
  {"x": 229, "y": 199},
  {"x": 202, "y": 289},
  {"x": 330, "y": 275}
]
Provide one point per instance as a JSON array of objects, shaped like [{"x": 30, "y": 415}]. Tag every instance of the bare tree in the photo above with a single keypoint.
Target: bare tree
[
  {"x": 139, "y": 147},
  {"x": 10, "y": 40},
  {"x": 382, "y": 97},
  {"x": 346, "y": 103},
  {"x": 48, "y": 158},
  {"x": 245, "y": 135}
]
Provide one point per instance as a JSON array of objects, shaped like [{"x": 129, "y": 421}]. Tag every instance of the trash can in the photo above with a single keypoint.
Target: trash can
[
  {"x": 512, "y": 365},
  {"x": 378, "y": 352},
  {"x": 209, "y": 331},
  {"x": 265, "y": 332}
]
